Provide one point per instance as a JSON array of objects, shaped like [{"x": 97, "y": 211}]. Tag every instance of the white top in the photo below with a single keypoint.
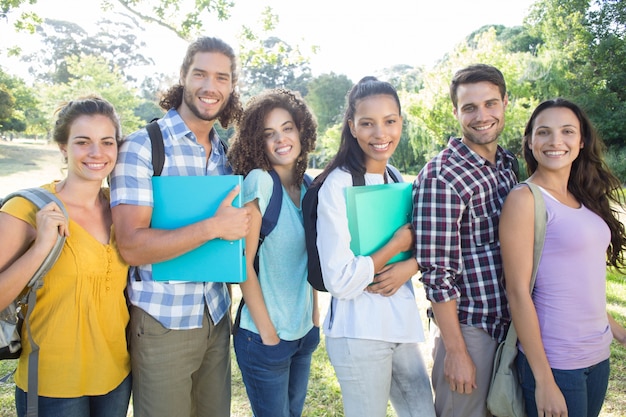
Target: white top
[{"x": 354, "y": 312}]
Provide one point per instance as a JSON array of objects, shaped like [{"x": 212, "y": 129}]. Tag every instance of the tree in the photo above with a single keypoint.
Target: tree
[
  {"x": 430, "y": 112},
  {"x": 186, "y": 19},
  {"x": 19, "y": 106},
  {"x": 269, "y": 62},
  {"x": 90, "y": 74},
  {"x": 27, "y": 21},
  {"x": 327, "y": 99},
  {"x": 583, "y": 58},
  {"x": 114, "y": 41},
  {"x": 404, "y": 77}
]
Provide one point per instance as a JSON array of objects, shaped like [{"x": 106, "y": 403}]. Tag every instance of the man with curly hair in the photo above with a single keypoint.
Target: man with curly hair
[{"x": 180, "y": 332}]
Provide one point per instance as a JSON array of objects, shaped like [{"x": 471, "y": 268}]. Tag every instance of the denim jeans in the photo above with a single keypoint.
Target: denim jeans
[
  {"x": 276, "y": 377},
  {"x": 584, "y": 389},
  {"x": 113, "y": 404},
  {"x": 372, "y": 372}
]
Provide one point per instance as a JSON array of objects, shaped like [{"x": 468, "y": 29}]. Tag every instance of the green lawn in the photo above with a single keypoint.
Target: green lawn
[{"x": 324, "y": 397}]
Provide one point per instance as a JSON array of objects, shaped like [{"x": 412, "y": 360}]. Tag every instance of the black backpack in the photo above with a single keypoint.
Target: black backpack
[
  {"x": 268, "y": 223},
  {"x": 158, "y": 149},
  {"x": 309, "y": 213}
]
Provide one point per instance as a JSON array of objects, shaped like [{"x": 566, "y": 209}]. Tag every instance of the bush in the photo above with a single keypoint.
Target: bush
[{"x": 616, "y": 160}]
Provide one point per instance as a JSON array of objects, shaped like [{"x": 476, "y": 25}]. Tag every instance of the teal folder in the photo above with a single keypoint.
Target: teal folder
[
  {"x": 180, "y": 201},
  {"x": 375, "y": 212}
]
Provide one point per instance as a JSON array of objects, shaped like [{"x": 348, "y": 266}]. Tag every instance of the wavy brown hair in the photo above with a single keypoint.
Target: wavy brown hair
[
  {"x": 90, "y": 105},
  {"x": 590, "y": 180},
  {"x": 173, "y": 97},
  {"x": 247, "y": 150}
]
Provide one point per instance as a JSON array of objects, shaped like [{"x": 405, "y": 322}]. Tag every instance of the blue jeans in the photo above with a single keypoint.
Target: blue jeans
[
  {"x": 276, "y": 377},
  {"x": 584, "y": 389},
  {"x": 372, "y": 372},
  {"x": 113, "y": 404}
]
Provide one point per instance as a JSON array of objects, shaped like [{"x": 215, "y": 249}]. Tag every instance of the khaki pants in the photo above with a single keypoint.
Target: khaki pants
[
  {"x": 179, "y": 373},
  {"x": 482, "y": 349}
]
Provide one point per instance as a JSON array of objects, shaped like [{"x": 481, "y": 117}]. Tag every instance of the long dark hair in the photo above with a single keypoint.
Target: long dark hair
[
  {"x": 590, "y": 180},
  {"x": 173, "y": 97},
  {"x": 247, "y": 150},
  {"x": 350, "y": 156}
]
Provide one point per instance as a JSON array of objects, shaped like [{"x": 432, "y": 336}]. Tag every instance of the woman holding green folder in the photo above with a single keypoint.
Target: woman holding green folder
[
  {"x": 373, "y": 327},
  {"x": 279, "y": 324}
]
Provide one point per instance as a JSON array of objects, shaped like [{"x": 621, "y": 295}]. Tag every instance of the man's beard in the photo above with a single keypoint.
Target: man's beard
[{"x": 188, "y": 98}]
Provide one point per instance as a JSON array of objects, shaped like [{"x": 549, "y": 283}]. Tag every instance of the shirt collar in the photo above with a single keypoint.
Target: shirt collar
[{"x": 471, "y": 157}]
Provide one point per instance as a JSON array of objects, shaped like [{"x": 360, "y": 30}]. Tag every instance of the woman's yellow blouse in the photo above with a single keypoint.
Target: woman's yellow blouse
[{"x": 80, "y": 317}]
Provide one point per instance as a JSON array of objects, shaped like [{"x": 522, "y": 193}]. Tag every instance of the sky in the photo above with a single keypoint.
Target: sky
[{"x": 355, "y": 37}]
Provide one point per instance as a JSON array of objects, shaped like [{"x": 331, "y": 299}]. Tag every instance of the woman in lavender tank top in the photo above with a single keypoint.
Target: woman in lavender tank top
[{"x": 563, "y": 328}]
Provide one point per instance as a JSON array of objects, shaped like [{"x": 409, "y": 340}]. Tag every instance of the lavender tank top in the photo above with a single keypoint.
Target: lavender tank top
[{"x": 570, "y": 290}]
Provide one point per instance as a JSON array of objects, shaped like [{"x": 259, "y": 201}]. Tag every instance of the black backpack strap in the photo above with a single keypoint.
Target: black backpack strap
[
  {"x": 514, "y": 162},
  {"x": 268, "y": 223},
  {"x": 158, "y": 148},
  {"x": 307, "y": 180},
  {"x": 309, "y": 215},
  {"x": 272, "y": 212},
  {"x": 395, "y": 175},
  {"x": 358, "y": 180}
]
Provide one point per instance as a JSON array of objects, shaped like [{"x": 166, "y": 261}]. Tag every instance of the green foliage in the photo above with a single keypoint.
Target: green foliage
[
  {"x": 583, "y": 57},
  {"x": 327, "y": 99},
  {"x": 327, "y": 146},
  {"x": 269, "y": 62},
  {"x": 148, "y": 110},
  {"x": 186, "y": 19},
  {"x": 404, "y": 77},
  {"x": 114, "y": 41},
  {"x": 27, "y": 21},
  {"x": 616, "y": 160},
  {"x": 91, "y": 75},
  {"x": 7, "y": 102},
  {"x": 19, "y": 105},
  {"x": 430, "y": 111}
]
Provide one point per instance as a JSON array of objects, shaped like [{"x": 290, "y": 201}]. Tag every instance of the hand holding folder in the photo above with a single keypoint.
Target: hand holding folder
[
  {"x": 180, "y": 201},
  {"x": 375, "y": 212}
]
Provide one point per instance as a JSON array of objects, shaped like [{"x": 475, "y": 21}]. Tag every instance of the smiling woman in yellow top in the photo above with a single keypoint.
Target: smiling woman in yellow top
[{"x": 80, "y": 317}]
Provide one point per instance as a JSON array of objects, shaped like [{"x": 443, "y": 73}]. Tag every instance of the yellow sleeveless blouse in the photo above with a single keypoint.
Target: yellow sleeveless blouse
[{"x": 80, "y": 317}]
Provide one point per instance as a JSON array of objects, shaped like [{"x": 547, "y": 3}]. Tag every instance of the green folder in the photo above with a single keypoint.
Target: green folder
[
  {"x": 180, "y": 201},
  {"x": 375, "y": 212}
]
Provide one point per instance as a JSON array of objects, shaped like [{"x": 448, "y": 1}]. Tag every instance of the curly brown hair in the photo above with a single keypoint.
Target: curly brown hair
[
  {"x": 173, "y": 97},
  {"x": 247, "y": 150}
]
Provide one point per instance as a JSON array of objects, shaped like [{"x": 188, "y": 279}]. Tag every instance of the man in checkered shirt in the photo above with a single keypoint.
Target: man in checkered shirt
[
  {"x": 458, "y": 196},
  {"x": 180, "y": 331}
]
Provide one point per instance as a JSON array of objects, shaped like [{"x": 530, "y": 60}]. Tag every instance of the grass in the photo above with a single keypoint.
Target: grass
[
  {"x": 615, "y": 403},
  {"x": 324, "y": 396}
]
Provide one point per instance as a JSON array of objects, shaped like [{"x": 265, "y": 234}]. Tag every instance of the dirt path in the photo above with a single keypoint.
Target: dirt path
[{"x": 28, "y": 164}]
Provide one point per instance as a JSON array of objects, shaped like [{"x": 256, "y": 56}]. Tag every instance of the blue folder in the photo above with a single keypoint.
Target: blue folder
[
  {"x": 375, "y": 212},
  {"x": 180, "y": 201}
]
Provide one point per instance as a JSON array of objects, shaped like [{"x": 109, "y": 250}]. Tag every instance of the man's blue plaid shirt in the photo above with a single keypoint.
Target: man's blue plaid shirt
[{"x": 178, "y": 305}]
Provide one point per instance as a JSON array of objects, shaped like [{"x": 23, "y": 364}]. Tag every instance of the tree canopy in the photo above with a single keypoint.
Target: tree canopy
[{"x": 574, "y": 49}]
